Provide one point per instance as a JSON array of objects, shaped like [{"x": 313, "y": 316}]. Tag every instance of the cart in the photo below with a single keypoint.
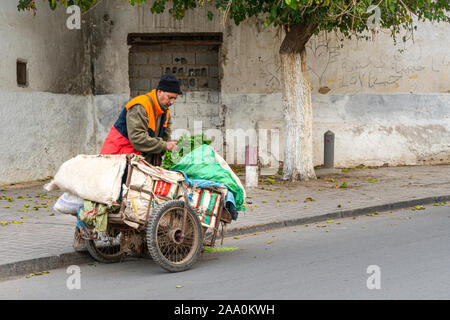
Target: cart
[{"x": 162, "y": 216}]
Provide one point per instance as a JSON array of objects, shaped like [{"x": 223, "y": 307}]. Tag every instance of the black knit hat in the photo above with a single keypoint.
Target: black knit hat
[{"x": 169, "y": 83}]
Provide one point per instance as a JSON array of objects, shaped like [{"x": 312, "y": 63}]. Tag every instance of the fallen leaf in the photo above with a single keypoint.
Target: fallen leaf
[
  {"x": 270, "y": 180},
  {"x": 439, "y": 204},
  {"x": 178, "y": 286},
  {"x": 36, "y": 274},
  {"x": 222, "y": 249},
  {"x": 309, "y": 199}
]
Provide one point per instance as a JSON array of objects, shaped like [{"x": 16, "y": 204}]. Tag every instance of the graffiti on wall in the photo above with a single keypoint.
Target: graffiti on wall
[
  {"x": 350, "y": 65},
  {"x": 368, "y": 65}
]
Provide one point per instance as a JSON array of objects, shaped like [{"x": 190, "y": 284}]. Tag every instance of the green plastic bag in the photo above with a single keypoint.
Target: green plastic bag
[{"x": 202, "y": 163}]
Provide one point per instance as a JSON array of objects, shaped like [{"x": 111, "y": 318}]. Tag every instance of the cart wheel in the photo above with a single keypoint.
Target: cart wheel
[
  {"x": 105, "y": 249},
  {"x": 172, "y": 249}
]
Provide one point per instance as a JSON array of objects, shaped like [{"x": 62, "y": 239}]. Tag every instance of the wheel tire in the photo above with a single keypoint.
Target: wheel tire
[
  {"x": 105, "y": 253},
  {"x": 168, "y": 247}
]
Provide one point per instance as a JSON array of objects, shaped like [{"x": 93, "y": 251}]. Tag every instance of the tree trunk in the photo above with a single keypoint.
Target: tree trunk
[{"x": 296, "y": 100}]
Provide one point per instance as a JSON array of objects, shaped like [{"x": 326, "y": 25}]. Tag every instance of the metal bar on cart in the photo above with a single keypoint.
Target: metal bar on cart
[
  {"x": 216, "y": 227},
  {"x": 186, "y": 203}
]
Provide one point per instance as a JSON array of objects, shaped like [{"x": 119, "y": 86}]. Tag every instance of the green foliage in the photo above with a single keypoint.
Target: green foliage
[
  {"x": 83, "y": 4},
  {"x": 185, "y": 145}
]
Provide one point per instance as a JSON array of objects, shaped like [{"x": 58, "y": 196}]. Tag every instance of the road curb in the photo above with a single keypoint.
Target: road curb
[
  {"x": 25, "y": 267},
  {"x": 230, "y": 232}
]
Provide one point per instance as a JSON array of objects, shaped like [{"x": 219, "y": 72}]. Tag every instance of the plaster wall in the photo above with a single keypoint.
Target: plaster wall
[
  {"x": 364, "y": 91},
  {"x": 385, "y": 104},
  {"x": 249, "y": 54},
  {"x": 370, "y": 129},
  {"x": 49, "y": 120},
  {"x": 379, "y": 129},
  {"x": 54, "y": 54},
  {"x": 41, "y": 132}
]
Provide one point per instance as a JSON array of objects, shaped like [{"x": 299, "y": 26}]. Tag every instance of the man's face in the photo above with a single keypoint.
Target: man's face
[{"x": 166, "y": 99}]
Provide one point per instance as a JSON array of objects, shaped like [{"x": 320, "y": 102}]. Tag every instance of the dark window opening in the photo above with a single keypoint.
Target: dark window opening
[{"x": 22, "y": 79}]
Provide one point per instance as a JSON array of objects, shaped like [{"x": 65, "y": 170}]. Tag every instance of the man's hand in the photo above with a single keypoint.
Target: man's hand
[{"x": 171, "y": 145}]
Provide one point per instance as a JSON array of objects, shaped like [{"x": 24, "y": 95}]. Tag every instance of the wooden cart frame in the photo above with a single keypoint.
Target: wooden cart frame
[{"x": 222, "y": 216}]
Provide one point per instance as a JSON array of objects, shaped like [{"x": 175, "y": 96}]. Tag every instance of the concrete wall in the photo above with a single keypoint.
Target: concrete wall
[
  {"x": 54, "y": 54},
  {"x": 370, "y": 71},
  {"x": 419, "y": 65},
  {"x": 41, "y": 130},
  {"x": 386, "y": 104},
  {"x": 47, "y": 121},
  {"x": 378, "y": 129}
]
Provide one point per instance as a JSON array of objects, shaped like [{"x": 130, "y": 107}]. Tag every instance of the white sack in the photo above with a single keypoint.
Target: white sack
[
  {"x": 91, "y": 177},
  {"x": 68, "y": 204}
]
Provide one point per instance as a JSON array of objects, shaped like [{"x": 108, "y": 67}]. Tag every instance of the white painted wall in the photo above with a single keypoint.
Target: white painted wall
[
  {"x": 379, "y": 66},
  {"x": 54, "y": 54},
  {"x": 368, "y": 103},
  {"x": 40, "y": 131},
  {"x": 46, "y": 122}
]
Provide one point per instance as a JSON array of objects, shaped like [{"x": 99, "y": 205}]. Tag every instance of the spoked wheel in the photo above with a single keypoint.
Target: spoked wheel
[
  {"x": 172, "y": 248},
  {"x": 106, "y": 248}
]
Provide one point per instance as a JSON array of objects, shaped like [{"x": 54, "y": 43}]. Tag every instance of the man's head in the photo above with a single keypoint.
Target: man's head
[{"x": 168, "y": 90}]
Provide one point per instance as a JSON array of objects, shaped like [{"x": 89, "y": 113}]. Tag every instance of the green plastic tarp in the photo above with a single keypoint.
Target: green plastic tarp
[{"x": 204, "y": 163}]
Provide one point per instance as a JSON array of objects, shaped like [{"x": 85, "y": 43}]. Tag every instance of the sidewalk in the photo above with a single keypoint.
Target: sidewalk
[{"x": 34, "y": 238}]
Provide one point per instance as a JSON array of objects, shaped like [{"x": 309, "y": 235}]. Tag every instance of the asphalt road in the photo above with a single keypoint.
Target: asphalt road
[{"x": 398, "y": 255}]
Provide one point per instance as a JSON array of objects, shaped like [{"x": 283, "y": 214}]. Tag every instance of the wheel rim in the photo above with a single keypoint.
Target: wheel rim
[
  {"x": 106, "y": 245},
  {"x": 175, "y": 246}
]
